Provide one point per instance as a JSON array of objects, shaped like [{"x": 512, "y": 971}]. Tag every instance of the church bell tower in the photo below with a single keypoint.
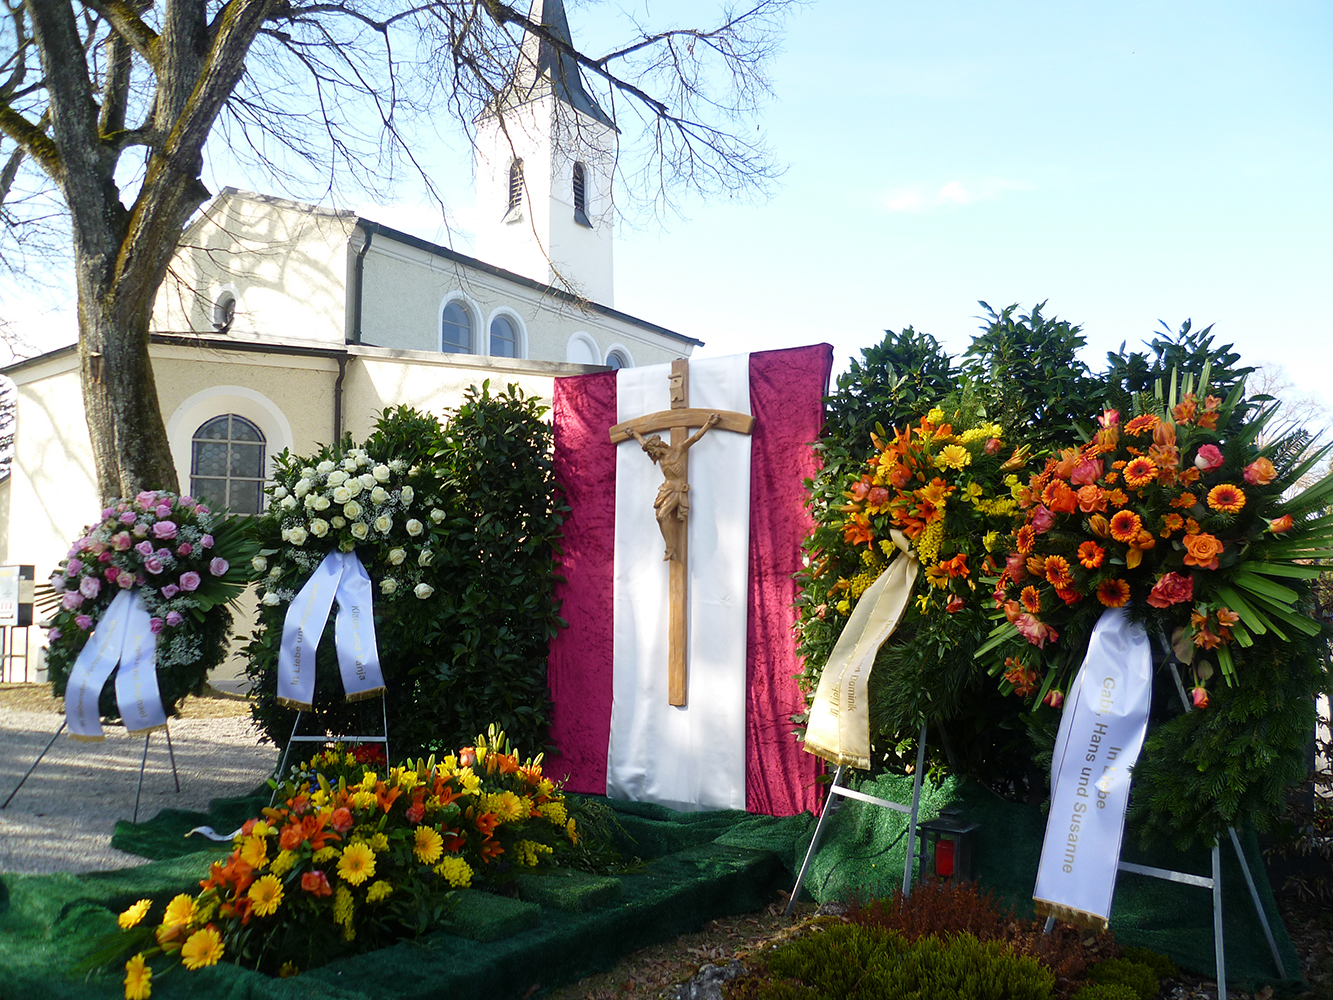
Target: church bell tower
[{"x": 545, "y": 160}]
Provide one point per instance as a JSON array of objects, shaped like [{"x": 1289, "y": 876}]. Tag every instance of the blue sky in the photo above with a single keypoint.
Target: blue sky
[{"x": 1127, "y": 163}]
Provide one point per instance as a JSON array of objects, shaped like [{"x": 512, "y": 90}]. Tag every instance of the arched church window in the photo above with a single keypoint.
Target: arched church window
[
  {"x": 227, "y": 464},
  {"x": 616, "y": 360},
  {"x": 581, "y": 195},
  {"x": 515, "y": 184},
  {"x": 504, "y": 338},
  {"x": 224, "y": 312},
  {"x": 455, "y": 329}
]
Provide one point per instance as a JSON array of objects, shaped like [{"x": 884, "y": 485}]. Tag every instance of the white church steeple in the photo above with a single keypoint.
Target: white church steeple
[{"x": 545, "y": 160}]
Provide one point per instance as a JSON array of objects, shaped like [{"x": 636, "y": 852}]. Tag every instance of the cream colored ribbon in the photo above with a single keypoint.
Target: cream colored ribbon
[{"x": 839, "y": 726}]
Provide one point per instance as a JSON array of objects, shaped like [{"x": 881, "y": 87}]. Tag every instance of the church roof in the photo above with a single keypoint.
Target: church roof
[{"x": 543, "y": 68}]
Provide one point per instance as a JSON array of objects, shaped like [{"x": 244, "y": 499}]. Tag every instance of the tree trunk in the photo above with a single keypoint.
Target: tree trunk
[{"x": 130, "y": 447}]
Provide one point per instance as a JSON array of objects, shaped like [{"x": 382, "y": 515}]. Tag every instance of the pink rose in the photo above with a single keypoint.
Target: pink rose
[
  {"x": 111, "y": 573},
  {"x": 146, "y": 498},
  {"x": 104, "y": 557},
  {"x": 1053, "y": 697},
  {"x": 84, "y": 622},
  {"x": 72, "y": 600},
  {"x": 1173, "y": 588},
  {"x": 140, "y": 530},
  {"x": 144, "y": 549},
  {"x": 58, "y": 582},
  {"x": 163, "y": 555},
  {"x": 54, "y": 634},
  {"x": 74, "y": 566},
  {"x": 164, "y": 510},
  {"x": 121, "y": 541},
  {"x": 1036, "y": 632},
  {"x": 1209, "y": 458},
  {"x": 1042, "y": 519},
  {"x": 219, "y": 566},
  {"x": 155, "y": 625},
  {"x": 129, "y": 517},
  {"x": 993, "y": 446},
  {"x": 184, "y": 549},
  {"x": 125, "y": 581},
  {"x": 1017, "y": 566},
  {"x": 170, "y": 591},
  {"x": 108, "y": 512},
  {"x": 90, "y": 587},
  {"x": 1199, "y": 696},
  {"x": 164, "y": 529},
  {"x": 174, "y": 618},
  {"x": 1087, "y": 471},
  {"x": 153, "y": 565},
  {"x": 206, "y": 542},
  {"x": 190, "y": 581}
]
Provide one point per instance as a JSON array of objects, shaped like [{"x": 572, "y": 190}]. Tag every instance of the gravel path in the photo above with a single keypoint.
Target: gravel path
[{"x": 62, "y": 818}]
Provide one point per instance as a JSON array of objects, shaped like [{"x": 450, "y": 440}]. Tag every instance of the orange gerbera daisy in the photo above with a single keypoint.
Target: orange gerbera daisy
[
  {"x": 1090, "y": 555},
  {"x": 1030, "y": 599},
  {"x": 1226, "y": 498},
  {"x": 1125, "y": 526},
  {"x": 1140, "y": 472},
  {"x": 1171, "y": 523},
  {"x": 1058, "y": 574},
  {"x": 1113, "y": 593},
  {"x": 1140, "y": 424},
  {"x": 1185, "y": 500},
  {"x": 1025, "y": 539},
  {"x": 1117, "y": 498}
]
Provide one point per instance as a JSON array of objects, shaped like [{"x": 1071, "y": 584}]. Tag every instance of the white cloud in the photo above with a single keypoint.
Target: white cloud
[{"x": 922, "y": 198}]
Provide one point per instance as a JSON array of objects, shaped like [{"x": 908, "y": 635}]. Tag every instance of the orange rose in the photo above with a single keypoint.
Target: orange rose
[
  {"x": 1260, "y": 472},
  {"x": 1281, "y": 524},
  {"x": 1202, "y": 551}
]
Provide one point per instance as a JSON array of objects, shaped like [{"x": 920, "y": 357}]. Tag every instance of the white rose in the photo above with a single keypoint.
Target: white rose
[
  {"x": 384, "y": 523},
  {"x": 302, "y": 488},
  {"x": 423, "y": 590},
  {"x": 426, "y": 558},
  {"x": 359, "y": 530},
  {"x": 354, "y": 485},
  {"x": 310, "y": 501},
  {"x": 308, "y": 472},
  {"x": 362, "y": 459},
  {"x": 388, "y": 585},
  {"x": 271, "y": 599},
  {"x": 342, "y": 494},
  {"x": 321, "y": 503},
  {"x": 367, "y": 480},
  {"x": 407, "y": 493},
  {"x": 349, "y": 464},
  {"x": 319, "y": 527},
  {"x": 381, "y": 473},
  {"x": 324, "y": 467},
  {"x": 297, "y": 535},
  {"x": 437, "y": 515},
  {"x": 337, "y": 477},
  {"x": 378, "y": 495},
  {"x": 338, "y": 522},
  {"x": 396, "y": 556},
  {"x": 275, "y": 572},
  {"x": 288, "y": 503},
  {"x": 279, "y": 492},
  {"x": 351, "y": 510},
  {"x": 415, "y": 527},
  {"x": 259, "y": 563}
]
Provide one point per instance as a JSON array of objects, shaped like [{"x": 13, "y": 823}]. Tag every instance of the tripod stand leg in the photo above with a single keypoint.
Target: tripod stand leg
[
  {"x": 143, "y": 764},
  {"x": 34, "y": 764},
  {"x": 916, "y": 807},
  {"x": 172, "y": 754},
  {"x": 1258, "y": 906},
  {"x": 829, "y": 804}
]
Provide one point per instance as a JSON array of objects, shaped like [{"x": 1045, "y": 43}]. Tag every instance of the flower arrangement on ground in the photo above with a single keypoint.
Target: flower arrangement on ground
[
  {"x": 942, "y": 491},
  {"x": 354, "y": 858},
  {"x": 185, "y": 561},
  {"x": 1181, "y": 514}
]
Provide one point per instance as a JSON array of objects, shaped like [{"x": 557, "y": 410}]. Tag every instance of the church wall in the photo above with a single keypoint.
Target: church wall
[
  {"x": 514, "y": 241},
  {"x": 582, "y": 255},
  {"x": 285, "y": 265}
]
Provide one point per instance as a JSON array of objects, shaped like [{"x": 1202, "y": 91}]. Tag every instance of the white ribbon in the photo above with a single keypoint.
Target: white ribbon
[
  {"x": 839, "y": 725},
  {"x": 123, "y": 636},
  {"x": 339, "y": 576},
  {"x": 1101, "y": 733}
]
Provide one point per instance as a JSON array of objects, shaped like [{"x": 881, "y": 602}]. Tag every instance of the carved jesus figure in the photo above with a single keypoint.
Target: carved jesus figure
[{"x": 673, "y": 502}]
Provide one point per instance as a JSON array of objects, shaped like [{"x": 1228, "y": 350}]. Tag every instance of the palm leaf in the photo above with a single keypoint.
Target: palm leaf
[
  {"x": 1255, "y": 622},
  {"x": 1256, "y": 584}
]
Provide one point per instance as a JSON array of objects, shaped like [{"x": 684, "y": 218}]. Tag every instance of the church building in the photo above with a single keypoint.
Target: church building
[{"x": 283, "y": 325}]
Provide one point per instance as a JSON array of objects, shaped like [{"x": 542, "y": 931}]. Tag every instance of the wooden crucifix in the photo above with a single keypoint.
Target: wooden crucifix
[{"x": 672, "y": 503}]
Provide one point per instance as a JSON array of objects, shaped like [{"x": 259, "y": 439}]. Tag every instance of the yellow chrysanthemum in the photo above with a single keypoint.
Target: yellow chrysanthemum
[
  {"x": 254, "y": 851},
  {"x": 378, "y": 890},
  {"x": 135, "y": 913},
  {"x": 262, "y": 829},
  {"x": 324, "y": 854},
  {"x": 455, "y": 871},
  {"x": 138, "y": 979},
  {"x": 265, "y": 896},
  {"x": 379, "y": 843},
  {"x": 179, "y": 911},
  {"x": 953, "y": 456},
  {"x": 283, "y": 863},
  {"x": 844, "y": 606},
  {"x": 989, "y": 539},
  {"x": 468, "y": 780},
  {"x": 357, "y": 864},
  {"x": 408, "y": 780},
  {"x": 545, "y": 787},
  {"x": 319, "y": 798},
  {"x": 369, "y": 780},
  {"x": 427, "y": 845},
  {"x": 507, "y": 806},
  {"x": 204, "y": 948},
  {"x": 449, "y": 765},
  {"x": 935, "y": 416},
  {"x": 342, "y": 906},
  {"x": 555, "y": 812}
]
